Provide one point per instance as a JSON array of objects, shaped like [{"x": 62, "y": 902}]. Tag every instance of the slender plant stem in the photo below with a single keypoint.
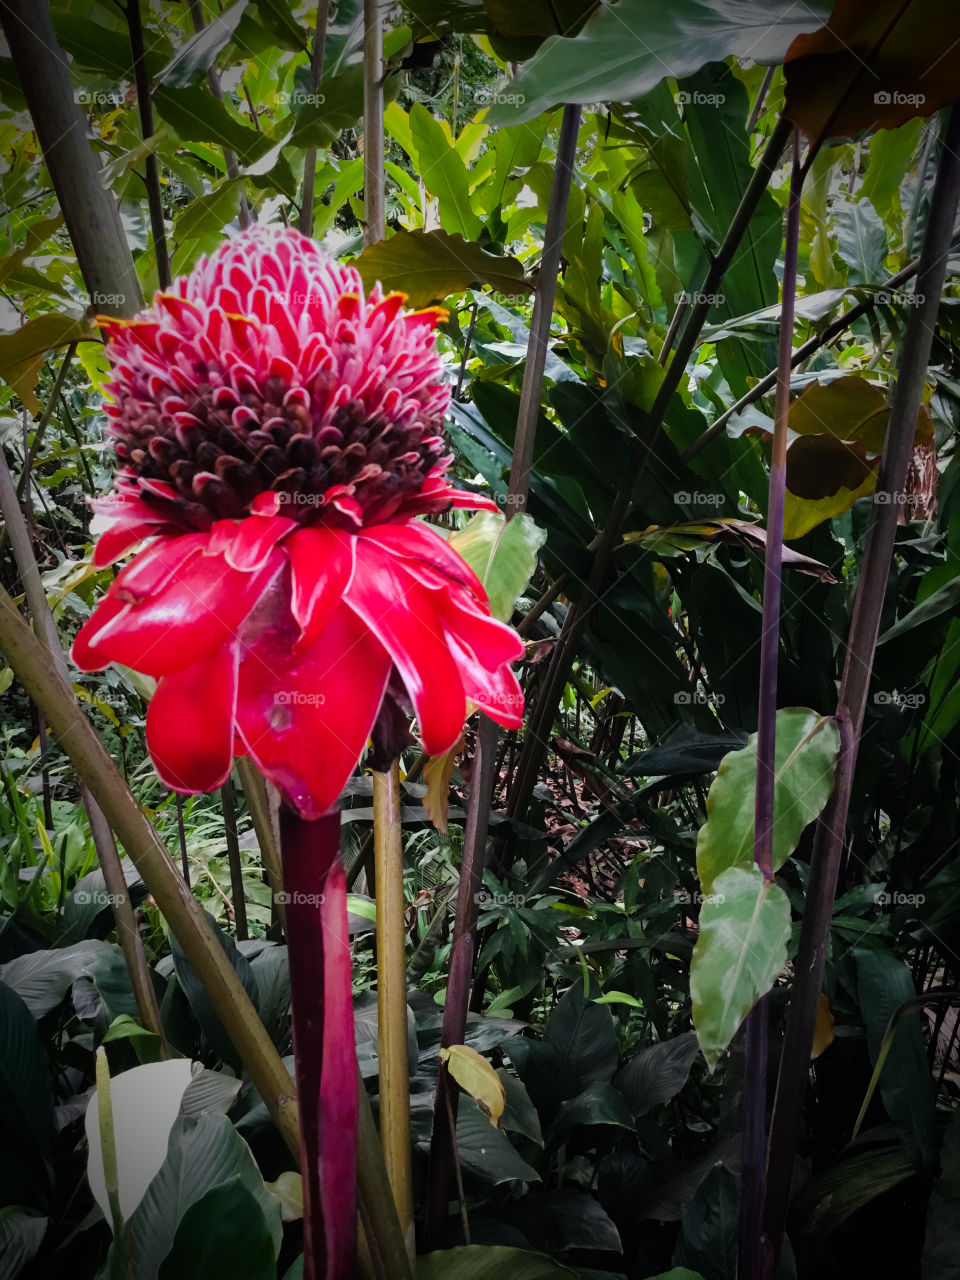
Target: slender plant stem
[
  {"x": 44, "y": 420},
  {"x": 854, "y": 688},
  {"x": 316, "y": 79},
  {"x": 38, "y": 673},
  {"x": 232, "y": 839},
  {"x": 538, "y": 729},
  {"x": 392, "y": 998},
  {"x": 323, "y": 1039},
  {"x": 150, "y": 167},
  {"x": 381, "y": 1226},
  {"x": 266, "y": 827},
  {"x": 182, "y": 837},
  {"x": 804, "y": 352},
  {"x": 751, "y": 1255},
  {"x": 374, "y": 209},
  {"x": 213, "y": 84},
  {"x": 88, "y": 208},
  {"x": 116, "y": 886}
]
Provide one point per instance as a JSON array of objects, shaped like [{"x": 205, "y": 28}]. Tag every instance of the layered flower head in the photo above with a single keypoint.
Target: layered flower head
[{"x": 277, "y": 433}]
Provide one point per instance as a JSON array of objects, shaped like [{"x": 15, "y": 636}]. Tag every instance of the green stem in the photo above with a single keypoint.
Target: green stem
[{"x": 374, "y": 208}]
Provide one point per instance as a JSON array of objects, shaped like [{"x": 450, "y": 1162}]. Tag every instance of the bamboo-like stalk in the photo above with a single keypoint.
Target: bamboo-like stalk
[
  {"x": 37, "y": 671},
  {"x": 751, "y": 1256},
  {"x": 317, "y": 53},
  {"x": 88, "y": 209},
  {"x": 374, "y": 215},
  {"x": 151, "y": 169},
  {"x": 232, "y": 840},
  {"x": 538, "y": 730},
  {"x": 392, "y": 998},
  {"x": 266, "y": 828},
  {"x": 382, "y": 1233},
  {"x": 473, "y": 860},
  {"x": 854, "y": 689},
  {"x": 116, "y": 886}
]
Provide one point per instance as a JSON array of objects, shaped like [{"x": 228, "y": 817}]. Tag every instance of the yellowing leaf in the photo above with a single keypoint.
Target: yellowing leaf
[
  {"x": 437, "y": 773},
  {"x": 475, "y": 1076},
  {"x": 288, "y": 1189},
  {"x": 823, "y": 1035}
]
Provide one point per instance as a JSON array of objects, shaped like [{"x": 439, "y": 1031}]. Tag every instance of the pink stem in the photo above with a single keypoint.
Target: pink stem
[{"x": 323, "y": 1040}]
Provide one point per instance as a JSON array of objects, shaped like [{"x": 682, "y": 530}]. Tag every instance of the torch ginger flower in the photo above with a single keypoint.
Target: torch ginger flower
[{"x": 277, "y": 434}]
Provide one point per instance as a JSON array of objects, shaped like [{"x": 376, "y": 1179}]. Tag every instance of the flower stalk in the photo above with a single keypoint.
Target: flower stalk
[{"x": 392, "y": 997}]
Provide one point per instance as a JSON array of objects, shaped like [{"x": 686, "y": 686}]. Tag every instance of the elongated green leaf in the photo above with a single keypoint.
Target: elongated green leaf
[
  {"x": 430, "y": 265},
  {"x": 222, "y": 1235},
  {"x": 657, "y": 1073},
  {"x": 192, "y": 62},
  {"x": 203, "y": 1154},
  {"x": 444, "y": 174},
  {"x": 197, "y": 116},
  {"x": 200, "y": 1002},
  {"x": 43, "y": 978},
  {"x": 806, "y": 753},
  {"x": 22, "y": 352},
  {"x": 627, "y": 48},
  {"x": 21, "y": 1235},
  {"x": 487, "y": 1152},
  {"x": 503, "y": 555},
  {"x": 488, "y": 1262},
  {"x": 742, "y": 947},
  {"x": 26, "y": 1104}
]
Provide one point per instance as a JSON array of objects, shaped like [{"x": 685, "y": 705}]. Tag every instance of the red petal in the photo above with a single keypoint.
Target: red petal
[
  {"x": 415, "y": 540},
  {"x": 85, "y": 653},
  {"x": 403, "y": 616},
  {"x": 254, "y": 539},
  {"x": 199, "y": 609},
  {"x": 305, "y": 718},
  {"x": 152, "y": 569},
  {"x": 493, "y": 643},
  {"x": 322, "y": 563},
  {"x": 190, "y": 723},
  {"x": 497, "y": 693}
]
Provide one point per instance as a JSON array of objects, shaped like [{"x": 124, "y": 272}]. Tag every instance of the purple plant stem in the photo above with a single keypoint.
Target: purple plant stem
[
  {"x": 323, "y": 1041},
  {"x": 854, "y": 688},
  {"x": 751, "y": 1257}
]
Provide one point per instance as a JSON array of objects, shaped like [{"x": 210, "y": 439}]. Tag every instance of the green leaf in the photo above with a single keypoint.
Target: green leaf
[
  {"x": 197, "y": 116},
  {"x": 806, "y": 753},
  {"x": 829, "y": 1198},
  {"x": 201, "y": 1003},
  {"x": 657, "y": 1073},
  {"x": 708, "y": 1229},
  {"x": 21, "y": 1235},
  {"x": 884, "y": 984},
  {"x": 26, "y": 1104},
  {"x": 96, "y": 47},
  {"x": 202, "y": 218},
  {"x": 862, "y": 241},
  {"x": 626, "y": 49},
  {"x": 444, "y": 174},
  {"x": 598, "y": 1103},
  {"x": 222, "y": 1235},
  {"x": 584, "y": 1038},
  {"x": 22, "y": 352},
  {"x": 487, "y": 1152},
  {"x": 941, "y": 1244},
  {"x": 503, "y": 555},
  {"x": 203, "y": 1154},
  {"x": 742, "y": 947},
  {"x": 43, "y": 978},
  {"x": 428, "y": 266},
  {"x": 194, "y": 59},
  {"x": 488, "y": 1262},
  {"x": 944, "y": 600}
]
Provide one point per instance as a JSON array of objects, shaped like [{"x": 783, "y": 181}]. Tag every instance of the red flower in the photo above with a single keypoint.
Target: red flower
[{"x": 277, "y": 433}]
